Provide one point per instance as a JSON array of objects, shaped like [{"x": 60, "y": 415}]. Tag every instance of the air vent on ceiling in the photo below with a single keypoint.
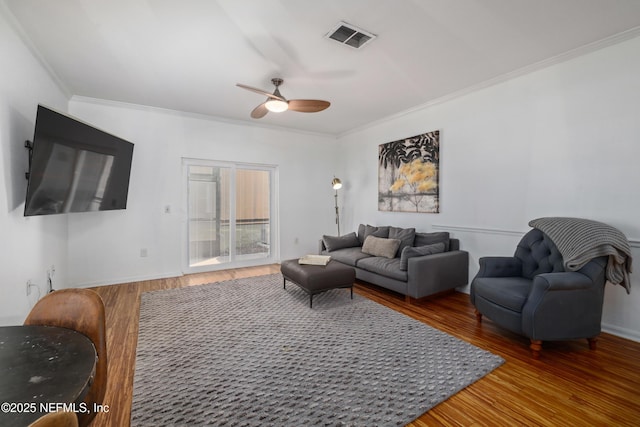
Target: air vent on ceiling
[{"x": 350, "y": 35}]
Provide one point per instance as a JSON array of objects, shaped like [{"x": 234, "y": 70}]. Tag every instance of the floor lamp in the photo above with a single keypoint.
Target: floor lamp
[{"x": 337, "y": 184}]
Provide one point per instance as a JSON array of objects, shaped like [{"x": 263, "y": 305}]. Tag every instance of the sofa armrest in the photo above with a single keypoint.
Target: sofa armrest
[
  {"x": 562, "y": 306},
  {"x": 431, "y": 274},
  {"x": 499, "y": 267}
]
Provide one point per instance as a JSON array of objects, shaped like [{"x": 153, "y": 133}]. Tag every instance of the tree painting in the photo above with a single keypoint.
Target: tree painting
[{"x": 408, "y": 172}]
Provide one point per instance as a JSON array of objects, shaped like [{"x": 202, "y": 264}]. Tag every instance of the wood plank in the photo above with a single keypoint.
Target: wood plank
[{"x": 568, "y": 385}]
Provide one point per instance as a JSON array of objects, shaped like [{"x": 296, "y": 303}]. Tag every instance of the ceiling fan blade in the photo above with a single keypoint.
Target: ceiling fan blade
[
  {"x": 260, "y": 91},
  {"x": 308, "y": 105},
  {"x": 260, "y": 111}
]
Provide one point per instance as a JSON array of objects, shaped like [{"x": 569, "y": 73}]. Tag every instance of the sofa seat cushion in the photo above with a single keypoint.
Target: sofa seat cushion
[
  {"x": 512, "y": 295},
  {"x": 384, "y": 266},
  {"x": 348, "y": 256}
]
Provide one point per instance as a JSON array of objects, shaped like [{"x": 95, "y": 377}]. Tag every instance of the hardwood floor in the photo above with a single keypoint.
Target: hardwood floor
[{"x": 568, "y": 385}]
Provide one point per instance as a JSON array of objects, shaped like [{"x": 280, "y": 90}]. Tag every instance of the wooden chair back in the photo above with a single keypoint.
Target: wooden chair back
[{"x": 83, "y": 311}]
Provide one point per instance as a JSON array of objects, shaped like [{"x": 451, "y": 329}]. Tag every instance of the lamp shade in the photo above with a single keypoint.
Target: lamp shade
[{"x": 336, "y": 183}]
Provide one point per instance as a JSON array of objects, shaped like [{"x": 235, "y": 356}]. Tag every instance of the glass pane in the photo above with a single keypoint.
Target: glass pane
[
  {"x": 208, "y": 215},
  {"x": 253, "y": 214}
]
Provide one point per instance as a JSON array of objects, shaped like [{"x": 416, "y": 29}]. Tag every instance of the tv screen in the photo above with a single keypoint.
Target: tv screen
[{"x": 75, "y": 167}]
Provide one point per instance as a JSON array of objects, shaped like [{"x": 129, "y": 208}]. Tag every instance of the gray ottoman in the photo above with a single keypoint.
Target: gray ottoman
[{"x": 318, "y": 278}]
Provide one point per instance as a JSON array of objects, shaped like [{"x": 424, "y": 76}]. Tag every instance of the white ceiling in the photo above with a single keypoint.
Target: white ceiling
[{"x": 187, "y": 55}]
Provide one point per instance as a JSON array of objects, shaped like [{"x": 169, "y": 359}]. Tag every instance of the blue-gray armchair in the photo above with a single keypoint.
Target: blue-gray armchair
[{"x": 531, "y": 294}]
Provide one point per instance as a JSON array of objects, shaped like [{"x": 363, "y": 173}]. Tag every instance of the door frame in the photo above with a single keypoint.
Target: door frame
[{"x": 274, "y": 226}]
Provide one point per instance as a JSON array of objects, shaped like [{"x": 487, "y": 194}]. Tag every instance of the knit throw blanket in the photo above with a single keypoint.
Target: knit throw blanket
[{"x": 580, "y": 240}]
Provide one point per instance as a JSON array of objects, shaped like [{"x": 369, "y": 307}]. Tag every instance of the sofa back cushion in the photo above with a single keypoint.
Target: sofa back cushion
[
  {"x": 405, "y": 235},
  {"x": 378, "y": 246},
  {"x": 333, "y": 243},
  {"x": 410, "y": 252},
  {"x": 423, "y": 239},
  {"x": 370, "y": 230}
]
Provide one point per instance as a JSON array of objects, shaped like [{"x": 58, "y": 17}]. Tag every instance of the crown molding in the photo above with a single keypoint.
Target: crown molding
[
  {"x": 191, "y": 115},
  {"x": 558, "y": 59}
]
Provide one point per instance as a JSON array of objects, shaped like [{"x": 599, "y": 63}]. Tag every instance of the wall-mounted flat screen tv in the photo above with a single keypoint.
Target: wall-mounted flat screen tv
[{"x": 75, "y": 167}]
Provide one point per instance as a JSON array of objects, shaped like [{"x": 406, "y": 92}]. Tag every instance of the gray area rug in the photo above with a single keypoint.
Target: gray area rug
[{"x": 249, "y": 353}]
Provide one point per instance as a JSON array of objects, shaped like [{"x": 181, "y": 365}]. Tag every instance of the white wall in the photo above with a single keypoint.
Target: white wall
[
  {"x": 29, "y": 246},
  {"x": 563, "y": 141},
  {"x": 104, "y": 247}
]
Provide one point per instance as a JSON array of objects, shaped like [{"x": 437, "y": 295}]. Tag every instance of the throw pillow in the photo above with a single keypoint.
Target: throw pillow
[
  {"x": 410, "y": 252},
  {"x": 379, "y": 246},
  {"x": 423, "y": 239},
  {"x": 369, "y": 230},
  {"x": 333, "y": 243},
  {"x": 405, "y": 235}
]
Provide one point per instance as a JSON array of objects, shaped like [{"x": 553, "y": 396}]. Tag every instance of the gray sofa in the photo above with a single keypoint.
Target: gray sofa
[{"x": 400, "y": 259}]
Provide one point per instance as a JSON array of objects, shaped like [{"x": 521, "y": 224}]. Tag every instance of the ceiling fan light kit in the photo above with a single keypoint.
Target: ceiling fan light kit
[
  {"x": 276, "y": 103},
  {"x": 276, "y": 106}
]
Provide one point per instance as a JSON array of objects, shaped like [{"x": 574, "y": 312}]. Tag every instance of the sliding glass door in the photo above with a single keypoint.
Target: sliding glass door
[{"x": 230, "y": 215}]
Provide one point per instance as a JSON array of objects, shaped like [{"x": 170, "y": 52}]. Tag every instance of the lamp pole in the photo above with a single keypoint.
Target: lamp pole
[
  {"x": 337, "y": 214},
  {"x": 337, "y": 184}
]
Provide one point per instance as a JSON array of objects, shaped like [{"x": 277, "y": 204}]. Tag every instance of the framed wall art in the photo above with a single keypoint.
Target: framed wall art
[{"x": 408, "y": 174}]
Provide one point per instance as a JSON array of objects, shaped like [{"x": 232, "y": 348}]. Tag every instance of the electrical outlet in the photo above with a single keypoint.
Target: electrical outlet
[{"x": 144, "y": 253}]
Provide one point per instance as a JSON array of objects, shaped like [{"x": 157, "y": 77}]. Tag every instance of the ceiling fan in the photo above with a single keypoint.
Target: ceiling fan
[{"x": 276, "y": 103}]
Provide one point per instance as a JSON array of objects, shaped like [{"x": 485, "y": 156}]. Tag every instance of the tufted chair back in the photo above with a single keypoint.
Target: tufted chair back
[{"x": 538, "y": 255}]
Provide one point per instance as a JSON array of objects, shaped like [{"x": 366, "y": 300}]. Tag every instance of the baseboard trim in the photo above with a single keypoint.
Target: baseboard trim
[
  {"x": 621, "y": 332},
  {"x": 129, "y": 279}
]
